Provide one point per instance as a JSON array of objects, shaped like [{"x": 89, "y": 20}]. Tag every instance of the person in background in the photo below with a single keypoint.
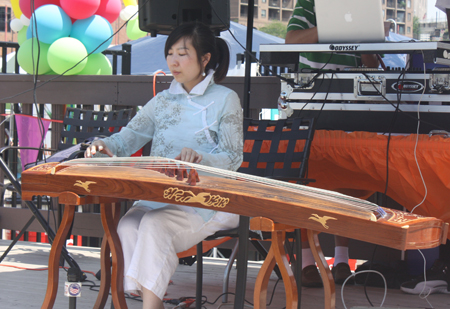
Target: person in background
[
  {"x": 196, "y": 121},
  {"x": 302, "y": 28}
]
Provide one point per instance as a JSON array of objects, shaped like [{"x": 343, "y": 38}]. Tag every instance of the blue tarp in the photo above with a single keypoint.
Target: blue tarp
[{"x": 396, "y": 60}]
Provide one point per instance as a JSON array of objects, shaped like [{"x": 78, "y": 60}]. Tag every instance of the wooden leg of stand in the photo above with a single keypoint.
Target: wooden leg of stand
[
  {"x": 105, "y": 262},
  {"x": 109, "y": 226},
  {"x": 276, "y": 255},
  {"x": 262, "y": 281},
  {"x": 325, "y": 273},
  {"x": 105, "y": 270},
  {"x": 55, "y": 253},
  {"x": 290, "y": 286}
]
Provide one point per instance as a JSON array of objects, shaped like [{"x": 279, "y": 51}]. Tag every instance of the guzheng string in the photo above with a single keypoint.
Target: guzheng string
[{"x": 160, "y": 163}]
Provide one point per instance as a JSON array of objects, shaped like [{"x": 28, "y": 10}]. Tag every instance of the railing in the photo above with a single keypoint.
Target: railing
[
  {"x": 274, "y": 3},
  {"x": 5, "y": 46},
  {"x": 125, "y": 53},
  {"x": 288, "y": 4}
]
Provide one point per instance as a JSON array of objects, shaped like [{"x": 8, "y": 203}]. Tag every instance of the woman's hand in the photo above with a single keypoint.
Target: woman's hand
[
  {"x": 189, "y": 155},
  {"x": 97, "y": 145}
]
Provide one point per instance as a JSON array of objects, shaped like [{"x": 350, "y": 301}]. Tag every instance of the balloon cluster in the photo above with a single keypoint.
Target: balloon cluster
[
  {"x": 63, "y": 32},
  {"x": 130, "y": 11}
]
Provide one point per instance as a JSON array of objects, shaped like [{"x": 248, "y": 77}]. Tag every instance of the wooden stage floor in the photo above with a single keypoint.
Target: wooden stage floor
[{"x": 21, "y": 288}]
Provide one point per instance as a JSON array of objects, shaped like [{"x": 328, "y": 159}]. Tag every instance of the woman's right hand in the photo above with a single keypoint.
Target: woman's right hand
[{"x": 97, "y": 145}]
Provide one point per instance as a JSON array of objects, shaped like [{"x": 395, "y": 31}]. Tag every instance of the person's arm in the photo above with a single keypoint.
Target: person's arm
[
  {"x": 131, "y": 138},
  {"x": 302, "y": 36},
  {"x": 229, "y": 152},
  {"x": 301, "y": 28},
  {"x": 370, "y": 60}
]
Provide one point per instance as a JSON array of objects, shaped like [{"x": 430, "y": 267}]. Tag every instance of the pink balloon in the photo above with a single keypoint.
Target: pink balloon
[
  {"x": 80, "y": 9},
  {"x": 26, "y": 9},
  {"x": 109, "y": 9}
]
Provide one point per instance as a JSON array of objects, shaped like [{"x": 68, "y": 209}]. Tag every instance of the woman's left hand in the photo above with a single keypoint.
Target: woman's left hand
[{"x": 189, "y": 155}]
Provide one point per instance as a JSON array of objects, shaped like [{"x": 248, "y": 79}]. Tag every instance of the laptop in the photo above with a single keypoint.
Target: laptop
[{"x": 349, "y": 21}]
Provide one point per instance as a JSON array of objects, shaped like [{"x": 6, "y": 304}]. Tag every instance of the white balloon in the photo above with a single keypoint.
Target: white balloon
[
  {"x": 16, "y": 25},
  {"x": 25, "y": 21},
  {"x": 128, "y": 11}
]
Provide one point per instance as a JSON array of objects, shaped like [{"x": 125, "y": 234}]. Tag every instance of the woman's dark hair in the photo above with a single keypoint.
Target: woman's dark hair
[{"x": 204, "y": 41}]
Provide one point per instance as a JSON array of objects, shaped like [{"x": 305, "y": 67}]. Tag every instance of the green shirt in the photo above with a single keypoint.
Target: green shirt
[{"x": 304, "y": 17}]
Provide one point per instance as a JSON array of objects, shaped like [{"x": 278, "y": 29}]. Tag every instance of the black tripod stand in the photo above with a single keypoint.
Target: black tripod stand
[{"x": 36, "y": 215}]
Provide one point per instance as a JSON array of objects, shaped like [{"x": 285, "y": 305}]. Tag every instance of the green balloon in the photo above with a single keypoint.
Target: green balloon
[
  {"x": 22, "y": 35},
  {"x": 67, "y": 54},
  {"x": 133, "y": 31},
  {"x": 25, "y": 56},
  {"x": 97, "y": 64}
]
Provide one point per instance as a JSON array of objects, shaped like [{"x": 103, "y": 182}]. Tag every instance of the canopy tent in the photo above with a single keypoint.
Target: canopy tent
[{"x": 147, "y": 53}]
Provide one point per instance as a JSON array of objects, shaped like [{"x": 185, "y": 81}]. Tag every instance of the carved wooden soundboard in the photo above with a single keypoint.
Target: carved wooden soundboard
[{"x": 399, "y": 230}]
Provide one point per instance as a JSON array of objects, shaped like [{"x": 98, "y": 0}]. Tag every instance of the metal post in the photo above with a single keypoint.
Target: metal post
[{"x": 244, "y": 222}]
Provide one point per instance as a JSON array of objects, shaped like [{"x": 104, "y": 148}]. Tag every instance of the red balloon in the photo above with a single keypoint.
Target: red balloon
[
  {"x": 109, "y": 9},
  {"x": 80, "y": 9},
  {"x": 26, "y": 9}
]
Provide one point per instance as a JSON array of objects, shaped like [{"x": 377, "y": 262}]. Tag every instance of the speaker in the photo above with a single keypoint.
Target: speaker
[{"x": 162, "y": 16}]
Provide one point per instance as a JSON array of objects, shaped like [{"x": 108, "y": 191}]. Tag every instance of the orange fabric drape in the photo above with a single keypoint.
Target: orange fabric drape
[{"x": 355, "y": 163}]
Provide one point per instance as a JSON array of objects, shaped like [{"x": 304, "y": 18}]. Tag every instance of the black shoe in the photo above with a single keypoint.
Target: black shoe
[
  {"x": 341, "y": 272},
  {"x": 437, "y": 278},
  {"x": 311, "y": 277}
]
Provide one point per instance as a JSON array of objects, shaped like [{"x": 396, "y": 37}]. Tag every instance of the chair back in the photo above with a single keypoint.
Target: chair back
[
  {"x": 277, "y": 149},
  {"x": 79, "y": 124}
]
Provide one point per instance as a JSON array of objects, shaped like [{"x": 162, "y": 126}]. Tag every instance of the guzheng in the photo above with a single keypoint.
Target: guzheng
[{"x": 164, "y": 180}]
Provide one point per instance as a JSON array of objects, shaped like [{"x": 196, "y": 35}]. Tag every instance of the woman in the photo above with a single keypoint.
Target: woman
[{"x": 196, "y": 121}]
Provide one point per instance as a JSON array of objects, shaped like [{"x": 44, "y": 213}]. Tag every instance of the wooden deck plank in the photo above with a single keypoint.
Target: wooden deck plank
[{"x": 23, "y": 289}]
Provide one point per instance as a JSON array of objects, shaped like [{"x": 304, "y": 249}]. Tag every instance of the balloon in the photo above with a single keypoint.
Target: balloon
[
  {"x": 128, "y": 12},
  {"x": 16, "y": 8},
  {"x": 97, "y": 64},
  {"x": 22, "y": 35},
  {"x": 92, "y": 32},
  {"x": 25, "y": 21},
  {"x": 65, "y": 53},
  {"x": 80, "y": 9},
  {"x": 26, "y": 58},
  {"x": 133, "y": 31},
  {"x": 109, "y": 9},
  {"x": 129, "y": 2},
  {"x": 26, "y": 7},
  {"x": 52, "y": 24},
  {"x": 16, "y": 25}
]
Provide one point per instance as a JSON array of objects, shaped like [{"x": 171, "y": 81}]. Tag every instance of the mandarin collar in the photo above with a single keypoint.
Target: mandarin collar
[{"x": 199, "y": 89}]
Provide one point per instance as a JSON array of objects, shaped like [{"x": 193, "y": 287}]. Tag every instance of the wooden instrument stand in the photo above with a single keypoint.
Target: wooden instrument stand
[
  {"x": 110, "y": 215},
  {"x": 277, "y": 255}
]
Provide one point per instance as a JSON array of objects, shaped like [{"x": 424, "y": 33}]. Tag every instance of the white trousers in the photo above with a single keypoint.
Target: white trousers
[{"x": 151, "y": 239}]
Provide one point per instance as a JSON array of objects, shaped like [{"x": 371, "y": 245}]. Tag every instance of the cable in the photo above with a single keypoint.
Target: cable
[
  {"x": 361, "y": 272},
  {"x": 399, "y": 109},
  {"x": 391, "y": 127},
  {"x": 417, "y": 141},
  {"x": 231, "y": 293}
]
